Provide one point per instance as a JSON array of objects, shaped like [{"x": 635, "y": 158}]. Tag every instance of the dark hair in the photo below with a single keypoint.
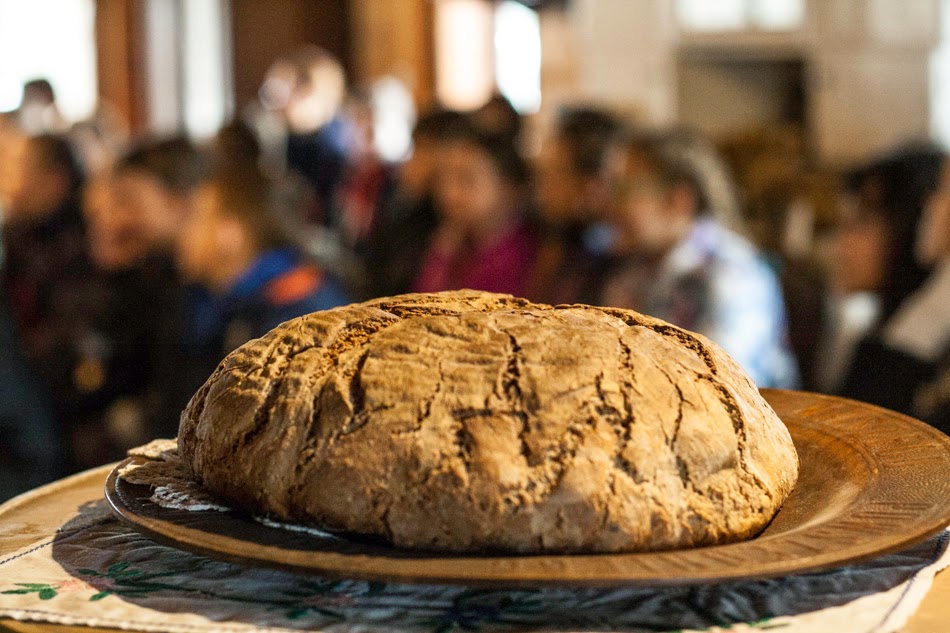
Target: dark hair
[
  {"x": 255, "y": 200},
  {"x": 499, "y": 149},
  {"x": 499, "y": 117},
  {"x": 57, "y": 152},
  {"x": 40, "y": 86},
  {"x": 683, "y": 156},
  {"x": 175, "y": 162},
  {"x": 437, "y": 123},
  {"x": 236, "y": 144},
  {"x": 896, "y": 187},
  {"x": 588, "y": 134}
]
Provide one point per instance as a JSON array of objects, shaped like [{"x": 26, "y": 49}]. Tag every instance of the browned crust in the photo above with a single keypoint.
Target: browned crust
[{"x": 467, "y": 421}]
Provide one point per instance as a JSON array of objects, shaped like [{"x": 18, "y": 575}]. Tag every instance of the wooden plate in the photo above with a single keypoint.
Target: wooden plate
[{"x": 872, "y": 482}]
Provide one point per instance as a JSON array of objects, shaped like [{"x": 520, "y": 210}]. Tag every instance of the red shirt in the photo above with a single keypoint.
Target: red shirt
[{"x": 502, "y": 265}]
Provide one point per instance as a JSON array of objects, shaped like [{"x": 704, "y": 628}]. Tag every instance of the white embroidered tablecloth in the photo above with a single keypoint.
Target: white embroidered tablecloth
[{"x": 95, "y": 571}]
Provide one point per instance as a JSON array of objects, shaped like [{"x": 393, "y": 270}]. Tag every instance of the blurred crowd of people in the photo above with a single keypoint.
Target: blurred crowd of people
[{"x": 129, "y": 269}]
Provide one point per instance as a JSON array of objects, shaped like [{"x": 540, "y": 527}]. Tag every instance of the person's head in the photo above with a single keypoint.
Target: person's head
[
  {"x": 37, "y": 113},
  {"x": 499, "y": 118},
  {"x": 574, "y": 166},
  {"x": 307, "y": 88},
  {"x": 480, "y": 181},
  {"x": 38, "y": 92},
  {"x": 428, "y": 138},
  {"x": 235, "y": 219},
  {"x": 236, "y": 146},
  {"x": 875, "y": 245},
  {"x": 153, "y": 186},
  {"x": 114, "y": 241},
  {"x": 48, "y": 177},
  {"x": 665, "y": 182}
]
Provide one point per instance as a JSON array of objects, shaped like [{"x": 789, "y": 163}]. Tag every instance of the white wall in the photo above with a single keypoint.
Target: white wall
[{"x": 867, "y": 68}]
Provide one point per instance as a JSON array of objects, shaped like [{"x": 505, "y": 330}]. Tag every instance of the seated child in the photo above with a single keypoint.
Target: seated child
[
  {"x": 247, "y": 274},
  {"x": 483, "y": 240}
]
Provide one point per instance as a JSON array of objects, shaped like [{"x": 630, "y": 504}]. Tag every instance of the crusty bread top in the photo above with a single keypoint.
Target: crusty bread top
[{"x": 466, "y": 421}]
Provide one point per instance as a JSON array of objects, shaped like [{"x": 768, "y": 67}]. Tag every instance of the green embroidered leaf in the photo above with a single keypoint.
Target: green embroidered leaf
[
  {"x": 32, "y": 585},
  {"x": 89, "y": 572},
  {"x": 766, "y": 624},
  {"x": 99, "y": 596},
  {"x": 47, "y": 594},
  {"x": 17, "y": 591},
  {"x": 115, "y": 569},
  {"x": 329, "y": 614},
  {"x": 296, "y": 614}
]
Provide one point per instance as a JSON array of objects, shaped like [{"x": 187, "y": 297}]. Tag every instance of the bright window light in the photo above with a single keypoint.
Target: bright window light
[
  {"x": 778, "y": 15},
  {"x": 716, "y": 15},
  {"x": 207, "y": 65},
  {"x": 940, "y": 80},
  {"x": 54, "y": 39},
  {"x": 464, "y": 77},
  {"x": 518, "y": 55},
  {"x": 734, "y": 15}
]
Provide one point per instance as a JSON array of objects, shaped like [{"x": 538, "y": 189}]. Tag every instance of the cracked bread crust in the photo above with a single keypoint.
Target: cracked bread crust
[{"x": 468, "y": 421}]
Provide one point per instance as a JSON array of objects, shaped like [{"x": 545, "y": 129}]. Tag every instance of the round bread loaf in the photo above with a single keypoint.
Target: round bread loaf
[{"x": 469, "y": 421}]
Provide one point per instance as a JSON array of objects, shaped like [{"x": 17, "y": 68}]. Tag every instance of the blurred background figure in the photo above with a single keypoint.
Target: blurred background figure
[
  {"x": 368, "y": 181},
  {"x": 247, "y": 274},
  {"x": 573, "y": 174},
  {"x": 38, "y": 112},
  {"x": 153, "y": 185},
  {"x": 44, "y": 240},
  {"x": 397, "y": 248},
  {"x": 45, "y": 267},
  {"x": 306, "y": 91},
  {"x": 131, "y": 323},
  {"x": 29, "y": 446},
  {"x": 484, "y": 240},
  {"x": 790, "y": 206},
  {"x": 878, "y": 253},
  {"x": 499, "y": 118},
  {"x": 680, "y": 258}
]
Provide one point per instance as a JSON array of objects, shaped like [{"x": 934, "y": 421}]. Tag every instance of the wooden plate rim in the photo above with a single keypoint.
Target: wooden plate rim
[{"x": 907, "y": 500}]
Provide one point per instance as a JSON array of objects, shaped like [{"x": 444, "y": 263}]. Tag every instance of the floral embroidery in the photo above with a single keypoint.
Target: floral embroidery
[
  {"x": 130, "y": 567},
  {"x": 43, "y": 590}
]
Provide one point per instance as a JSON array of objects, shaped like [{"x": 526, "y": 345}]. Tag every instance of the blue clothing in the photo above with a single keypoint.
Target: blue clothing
[
  {"x": 715, "y": 282},
  {"x": 277, "y": 287}
]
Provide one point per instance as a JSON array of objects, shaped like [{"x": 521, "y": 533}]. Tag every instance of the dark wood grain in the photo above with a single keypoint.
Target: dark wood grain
[{"x": 872, "y": 482}]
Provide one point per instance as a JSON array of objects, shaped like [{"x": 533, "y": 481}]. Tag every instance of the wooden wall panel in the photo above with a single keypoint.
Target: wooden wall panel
[
  {"x": 120, "y": 59},
  {"x": 263, "y": 31},
  {"x": 395, "y": 37}
]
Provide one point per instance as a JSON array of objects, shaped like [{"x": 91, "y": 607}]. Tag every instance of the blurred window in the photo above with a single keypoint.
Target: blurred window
[
  {"x": 481, "y": 46},
  {"x": 188, "y": 65},
  {"x": 737, "y": 15},
  {"x": 518, "y": 55},
  {"x": 207, "y": 66},
  {"x": 463, "y": 38},
  {"x": 54, "y": 39}
]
